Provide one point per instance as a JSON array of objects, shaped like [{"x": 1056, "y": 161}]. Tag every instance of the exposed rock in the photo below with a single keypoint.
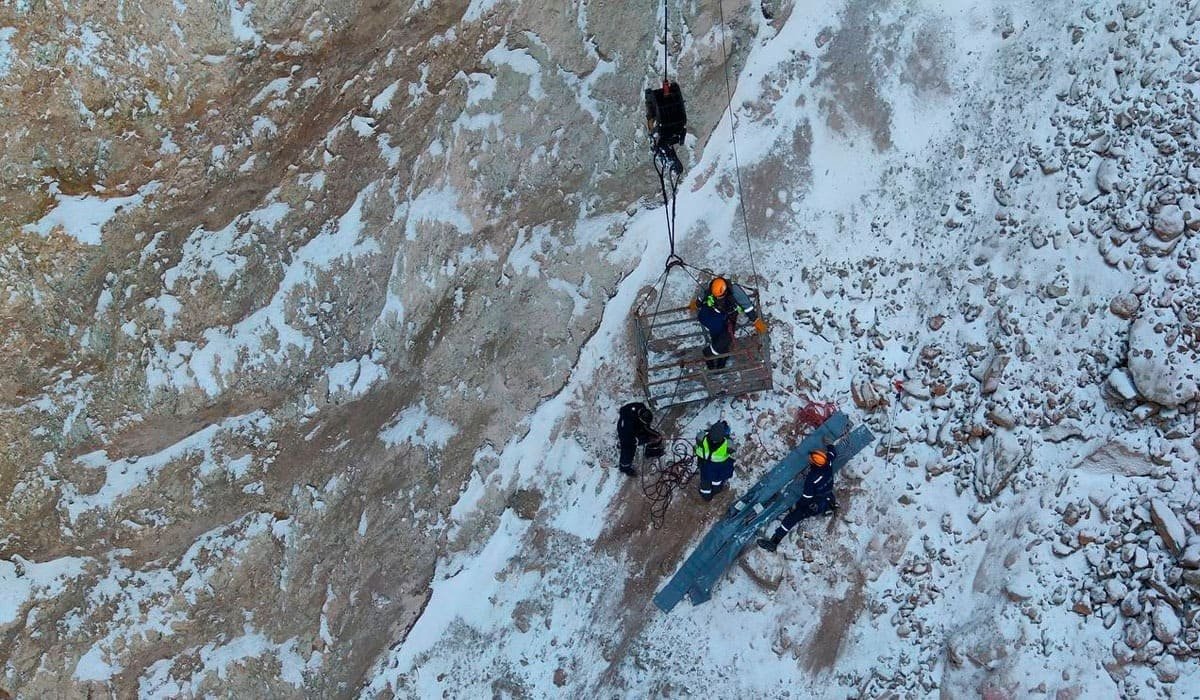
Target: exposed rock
[
  {"x": 916, "y": 389},
  {"x": 1116, "y": 457},
  {"x": 1162, "y": 370},
  {"x": 1125, "y": 305},
  {"x": 1168, "y": 526},
  {"x": 867, "y": 395},
  {"x": 1002, "y": 417},
  {"x": 1120, "y": 382},
  {"x": 525, "y": 503},
  {"x": 1166, "y": 623},
  {"x": 1168, "y": 222}
]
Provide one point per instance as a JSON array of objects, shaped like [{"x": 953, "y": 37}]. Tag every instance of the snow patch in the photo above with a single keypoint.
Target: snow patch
[
  {"x": 417, "y": 426},
  {"x": 124, "y": 475},
  {"x": 223, "y": 350},
  {"x": 83, "y": 217},
  {"x": 240, "y": 22},
  {"x": 383, "y": 101},
  {"x": 6, "y": 50},
  {"x": 436, "y": 205},
  {"x": 22, "y": 580},
  {"x": 521, "y": 61}
]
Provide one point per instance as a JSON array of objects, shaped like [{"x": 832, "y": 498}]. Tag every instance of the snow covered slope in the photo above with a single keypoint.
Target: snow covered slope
[{"x": 972, "y": 198}]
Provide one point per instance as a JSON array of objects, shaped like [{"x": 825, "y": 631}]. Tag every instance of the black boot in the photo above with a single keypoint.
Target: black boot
[
  {"x": 772, "y": 543},
  {"x": 831, "y": 508},
  {"x": 627, "y": 469}
]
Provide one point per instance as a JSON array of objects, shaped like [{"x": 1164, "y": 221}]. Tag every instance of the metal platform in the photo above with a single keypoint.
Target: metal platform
[{"x": 671, "y": 363}]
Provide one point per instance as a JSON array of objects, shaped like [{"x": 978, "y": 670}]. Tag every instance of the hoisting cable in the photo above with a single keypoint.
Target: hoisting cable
[
  {"x": 665, "y": 7},
  {"x": 737, "y": 168}
]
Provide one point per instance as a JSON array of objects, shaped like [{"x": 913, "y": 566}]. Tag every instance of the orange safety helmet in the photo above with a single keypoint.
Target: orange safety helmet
[
  {"x": 718, "y": 287},
  {"x": 818, "y": 458}
]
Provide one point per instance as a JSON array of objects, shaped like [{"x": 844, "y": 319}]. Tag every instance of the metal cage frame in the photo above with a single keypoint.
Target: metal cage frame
[{"x": 672, "y": 368}]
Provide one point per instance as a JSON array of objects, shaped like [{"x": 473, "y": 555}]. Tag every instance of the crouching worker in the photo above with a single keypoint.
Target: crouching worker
[
  {"x": 635, "y": 427},
  {"x": 817, "y": 499},
  {"x": 714, "y": 452}
]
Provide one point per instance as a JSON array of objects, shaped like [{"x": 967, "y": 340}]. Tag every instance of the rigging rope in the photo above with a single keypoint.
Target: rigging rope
[
  {"x": 737, "y": 168},
  {"x": 665, "y": 475},
  {"x": 667, "y": 174}
]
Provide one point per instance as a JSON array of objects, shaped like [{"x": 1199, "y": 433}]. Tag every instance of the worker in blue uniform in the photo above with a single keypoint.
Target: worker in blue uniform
[{"x": 817, "y": 498}]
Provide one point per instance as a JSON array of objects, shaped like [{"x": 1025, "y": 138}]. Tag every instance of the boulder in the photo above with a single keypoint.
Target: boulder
[
  {"x": 1124, "y": 305},
  {"x": 1168, "y": 526},
  {"x": 916, "y": 389},
  {"x": 1002, "y": 417},
  {"x": 1021, "y": 587},
  {"x": 766, "y": 570},
  {"x": 1163, "y": 370},
  {"x": 1108, "y": 177},
  {"x": 1168, "y": 222},
  {"x": 1115, "y": 591},
  {"x": 1116, "y": 457},
  {"x": 989, "y": 375},
  {"x": 1131, "y": 606},
  {"x": 1165, "y": 622},
  {"x": 526, "y": 503},
  {"x": 1167, "y": 669},
  {"x": 1190, "y": 559},
  {"x": 1137, "y": 633},
  {"x": 1121, "y": 383},
  {"x": 867, "y": 395}
]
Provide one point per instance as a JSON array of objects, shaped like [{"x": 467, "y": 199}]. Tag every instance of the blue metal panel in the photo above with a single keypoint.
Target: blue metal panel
[
  {"x": 758, "y": 516},
  {"x": 745, "y": 512}
]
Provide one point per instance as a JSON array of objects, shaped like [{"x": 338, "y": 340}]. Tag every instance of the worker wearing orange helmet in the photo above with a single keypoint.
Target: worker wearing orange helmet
[
  {"x": 717, "y": 310},
  {"x": 817, "y": 499}
]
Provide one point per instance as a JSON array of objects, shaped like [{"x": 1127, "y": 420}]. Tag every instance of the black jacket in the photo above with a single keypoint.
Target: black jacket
[{"x": 634, "y": 423}]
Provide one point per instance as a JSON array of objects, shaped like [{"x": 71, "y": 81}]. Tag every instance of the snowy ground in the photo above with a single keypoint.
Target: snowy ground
[{"x": 948, "y": 570}]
